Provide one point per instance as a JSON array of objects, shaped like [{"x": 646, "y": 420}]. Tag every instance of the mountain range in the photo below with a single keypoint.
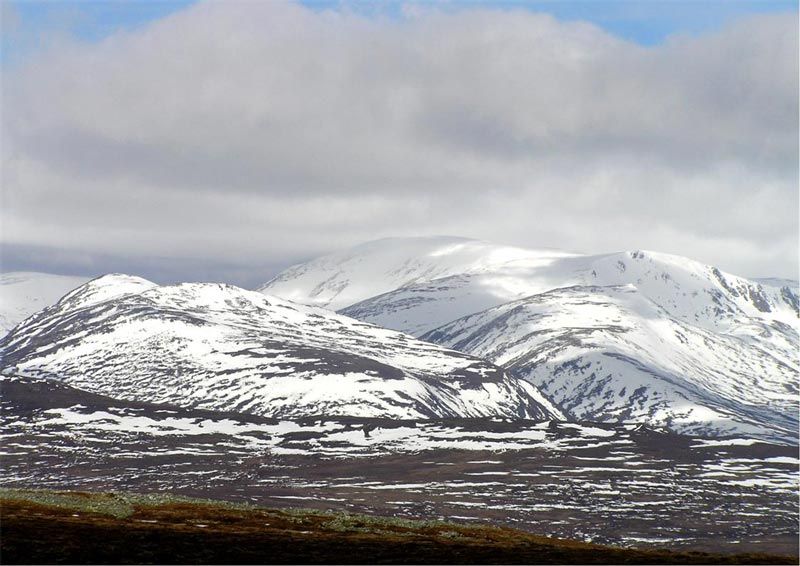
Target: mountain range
[
  {"x": 459, "y": 379},
  {"x": 638, "y": 335},
  {"x": 434, "y": 327}
]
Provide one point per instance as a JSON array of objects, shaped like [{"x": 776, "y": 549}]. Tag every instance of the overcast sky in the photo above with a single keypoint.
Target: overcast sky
[{"x": 224, "y": 141}]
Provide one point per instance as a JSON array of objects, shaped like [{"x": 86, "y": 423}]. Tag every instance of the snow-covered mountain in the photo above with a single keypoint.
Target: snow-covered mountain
[
  {"x": 477, "y": 275},
  {"x": 22, "y": 293},
  {"x": 222, "y": 348},
  {"x": 611, "y": 354},
  {"x": 630, "y": 335},
  {"x": 342, "y": 279}
]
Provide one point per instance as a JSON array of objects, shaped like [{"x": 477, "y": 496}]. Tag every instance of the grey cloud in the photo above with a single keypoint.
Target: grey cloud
[
  {"x": 163, "y": 270},
  {"x": 267, "y": 132}
]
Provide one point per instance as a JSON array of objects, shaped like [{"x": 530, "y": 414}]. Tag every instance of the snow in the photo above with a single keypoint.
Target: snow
[
  {"x": 417, "y": 284},
  {"x": 610, "y": 354},
  {"x": 223, "y": 348},
  {"x": 105, "y": 288},
  {"x": 341, "y": 279},
  {"x": 625, "y": 336},
  {"x": 333, "y": 438},
  {"x": 636, "y": 335},
  {"x": 23, "y": 293},
  {"x": 783, "y": 460},
  {"x": 726, "y": 442}
]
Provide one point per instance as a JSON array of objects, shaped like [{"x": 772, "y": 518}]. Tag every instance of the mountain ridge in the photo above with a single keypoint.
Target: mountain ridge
[{"x": 685, "y": 329}]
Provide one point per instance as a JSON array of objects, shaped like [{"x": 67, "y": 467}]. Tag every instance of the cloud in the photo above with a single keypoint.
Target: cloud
[{"x": 264, "y": 133}]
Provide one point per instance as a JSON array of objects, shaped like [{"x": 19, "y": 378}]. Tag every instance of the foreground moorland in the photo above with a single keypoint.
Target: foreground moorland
[
  {"x": 124, "y": 528},
  {"x": 619, "y": 485}
]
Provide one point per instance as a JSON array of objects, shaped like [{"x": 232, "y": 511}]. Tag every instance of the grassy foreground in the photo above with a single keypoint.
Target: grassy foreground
[{"x": 40, "y": 527}]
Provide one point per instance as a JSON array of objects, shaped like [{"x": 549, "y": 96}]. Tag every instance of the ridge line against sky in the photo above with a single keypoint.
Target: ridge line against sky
[{"x": 225, "y": 141}]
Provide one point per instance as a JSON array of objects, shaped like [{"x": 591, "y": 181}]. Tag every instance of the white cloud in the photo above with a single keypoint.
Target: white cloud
[{"x": 266, "y": 132}]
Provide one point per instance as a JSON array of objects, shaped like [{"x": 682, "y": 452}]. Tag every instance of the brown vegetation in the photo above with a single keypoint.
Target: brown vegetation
[{"x": 51, "y": 527}]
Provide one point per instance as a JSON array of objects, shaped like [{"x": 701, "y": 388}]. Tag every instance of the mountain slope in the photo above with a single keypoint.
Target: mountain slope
[
  {"x": 417, "y": 284},
  {"x": 686, "y": 289},
  {"x": 610, "y": 354},
  {"x": 627, "y": 335},
  {"x": 22, "y": 293},
  {"x": 341, "y": 279},
  {"x": 223, "y": 348}
]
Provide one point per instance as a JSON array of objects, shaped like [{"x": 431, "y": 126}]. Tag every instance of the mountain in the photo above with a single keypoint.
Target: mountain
[
  {"x": 630, "y": 335},
  {"x": 22, "y": 293},
  {"x": 341, "y": 279},
  {"x": 218, "y": 347},
  {"x": 611, "y": 354}
]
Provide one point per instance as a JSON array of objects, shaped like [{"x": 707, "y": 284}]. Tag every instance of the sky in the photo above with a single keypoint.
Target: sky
[{"x": 224, "y": 141}]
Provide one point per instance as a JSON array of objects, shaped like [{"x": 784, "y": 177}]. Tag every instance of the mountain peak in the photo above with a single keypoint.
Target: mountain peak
[{"x": 105, "y": 287}]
